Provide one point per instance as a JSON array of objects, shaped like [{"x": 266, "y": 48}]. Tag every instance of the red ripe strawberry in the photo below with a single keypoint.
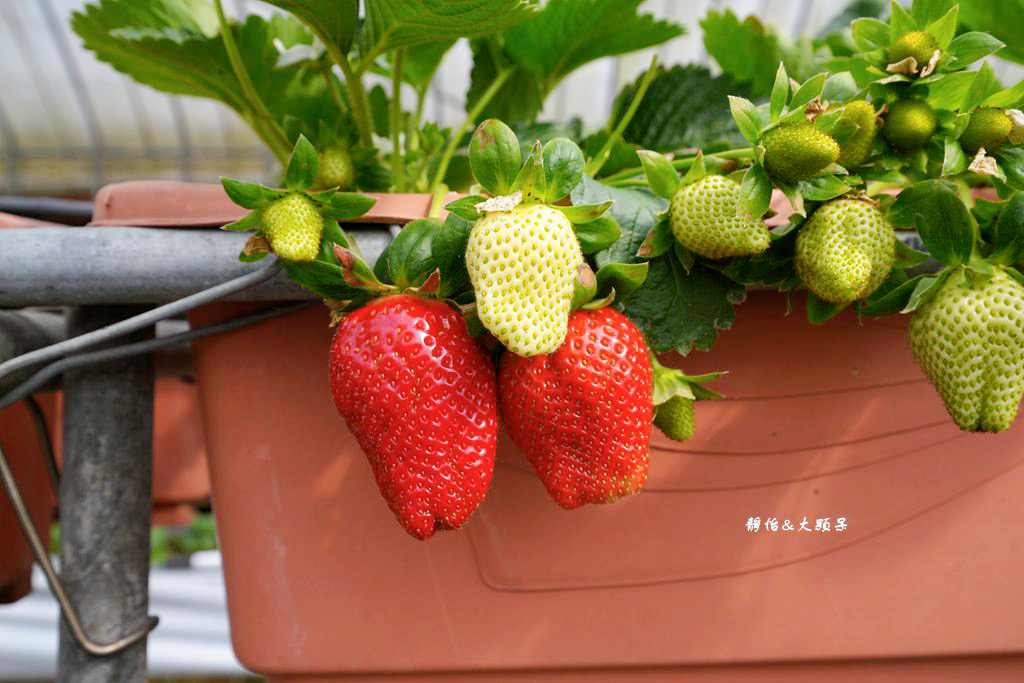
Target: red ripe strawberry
[
  {"x": 419, "y": 395},
  {"x": 582, "y": 415}
]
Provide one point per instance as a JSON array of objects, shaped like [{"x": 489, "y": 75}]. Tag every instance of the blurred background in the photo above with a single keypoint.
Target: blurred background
[{"x": 70, "y": 124}]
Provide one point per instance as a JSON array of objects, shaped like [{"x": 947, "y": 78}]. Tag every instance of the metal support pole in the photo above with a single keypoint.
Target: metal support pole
[{"x": 105, "y": 500}]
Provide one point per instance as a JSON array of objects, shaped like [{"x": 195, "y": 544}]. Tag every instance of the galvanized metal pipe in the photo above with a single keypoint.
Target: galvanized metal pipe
[{"x": 72, "y": 266}]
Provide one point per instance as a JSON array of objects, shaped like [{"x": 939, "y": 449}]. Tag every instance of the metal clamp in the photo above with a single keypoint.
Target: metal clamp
[{"x": 40, "y": 555}]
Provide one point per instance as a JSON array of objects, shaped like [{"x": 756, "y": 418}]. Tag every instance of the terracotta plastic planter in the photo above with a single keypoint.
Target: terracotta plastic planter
[{"x": 820, "y": 422}]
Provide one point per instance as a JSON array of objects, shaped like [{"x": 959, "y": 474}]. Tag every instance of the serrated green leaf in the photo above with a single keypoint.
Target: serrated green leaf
[
  {"x": 680, "y": 311},
  {"x": 624, "y": 278},
  {"x": 563, "y": 167},
  {"x": 1001, "y": 18},
  {"x": 635, "y": 210},
  {"x": 391, "y": 24},
  {"x": 662, "y": 178},
  {"x": 682, "y": 108},
  {"x": 332, "y": 21},
  {"x": 598, "y": 234},
  {"x": 747, "y": 51},
  {"x": 495, "y": 156},
  {"x": 302, "y": 166},
  {"x": 780, "y": 92},
  {"x": 755, "y": 192}
]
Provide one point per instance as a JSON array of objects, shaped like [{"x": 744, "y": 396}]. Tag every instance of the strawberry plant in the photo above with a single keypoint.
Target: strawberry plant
[{"x": 573, "y": 259}]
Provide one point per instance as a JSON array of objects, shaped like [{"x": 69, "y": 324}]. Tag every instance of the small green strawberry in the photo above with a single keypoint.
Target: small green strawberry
[
  {"x": 335, "y": 168},
  {"x": 294, "y": 226},
  {"x": 857, "y": 147},
  {"x": 917, "y": 44},
  {"x": 845, "y": 251},
  {"x": 675, "y": 418},
  {"x": 523, "y": 265},
  {"x": 969, "y": 340},
  {"x": 704, "y": 220},
  {"x": 988, "y": 128},
  {"x": 796, "y": 151},
  {"x": 910, "y": 124}
]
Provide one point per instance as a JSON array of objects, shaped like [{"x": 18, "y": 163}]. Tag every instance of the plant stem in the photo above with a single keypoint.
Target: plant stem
[
  {"x": 474, "y": 113},
  {"x": 624, "y": 176},
  {"x": 268, "y": 128},
  {"x": 332, "y": 87},
  {"x": 436, "y": 200},
  {"x": 397, "y": 167},
  {"x": 602, "y": 156},
  {"x": 355, "y": 92}
]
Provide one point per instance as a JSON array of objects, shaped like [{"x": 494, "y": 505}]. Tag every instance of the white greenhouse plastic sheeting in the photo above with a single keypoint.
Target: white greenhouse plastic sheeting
[{"x": 192, "y": 638}]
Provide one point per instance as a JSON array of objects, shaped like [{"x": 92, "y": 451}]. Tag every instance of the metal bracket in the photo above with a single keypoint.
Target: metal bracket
[{"x": 39, "y": 553}]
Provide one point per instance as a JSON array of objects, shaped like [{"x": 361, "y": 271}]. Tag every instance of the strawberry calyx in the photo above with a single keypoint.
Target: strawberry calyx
[{"x": 669, "y": 382}]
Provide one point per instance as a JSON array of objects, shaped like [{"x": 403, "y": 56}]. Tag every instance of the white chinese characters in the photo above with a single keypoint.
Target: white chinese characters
[{"x": 772, "y": 525}]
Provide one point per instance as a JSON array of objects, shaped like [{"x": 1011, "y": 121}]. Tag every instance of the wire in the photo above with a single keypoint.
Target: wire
[
  {"x": 45, "y": 441},
  {"x": 44, "y": 375},
  {"x": 75, "y": 344}
]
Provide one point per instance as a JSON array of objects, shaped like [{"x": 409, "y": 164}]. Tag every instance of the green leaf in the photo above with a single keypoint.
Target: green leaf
[
  {"x": 967, "y": 48},
  {"x": 924, "y": 288},
  {"x": 659, "y": 240},
  {"x": 682, "y": 108},
  {"x": 449, "y": 253},
  {"x": 892, "y": 296},
  {"x": 517, "y": 101},
  {"x": 1001, "y": 18},
  {"x": 332, "y": 21},
  {"x": 635, "y": 210},
  {"x": 808, "y": 91},
  {"x": 598, "y": 234},
  {"x": 495, "y": 156},
  {"x": 822, "y": 188},
  {"x": 1011, "y": 160},
  {"x": 747, "y": 50},
  {"x": 662, "y": 178},
  {"x": 870, "y": 34},
  {"x": 908, "y": 257},
  {"x": 900, "y": 22},
  {"x": 943, "y": 28},
  {"x": 465, "y": 207},
  {"x": 953, "y": 158},
  {"x": 585, "y": 213},
  {"x": 755, "y": 192},
  {"x": 251, "y": 221},
  {"x": 345, "y": 206},
  {"x": 248, "y": 195},
  {"x": 680, "y": 311},
  {"x": 531, "y": 179},
  {"x": 1008, "y": 232},
  {"x": 563, "y": 168},
  {"x": 410, "y": 254},
  {"x": 624, "y": 278},
  {"x": 924, "y": 12},
  {"x": 1012, "y": 97},
  {"x": 983, "y": 85},
  {"x": 934, "y": 209},
  {"x": 567, "y": 34},
  {"x": 950, "y": 90},
  {"x": 420, "y": 62},
  {"x": 391, "y": 24},
  {"x": 302, "y": 166},
  {"x": 747, "y": 118},
  {"x": 771, "y": 267},
  {"x": 820, "y": 311},
  {"x": 780, "y": 92}
]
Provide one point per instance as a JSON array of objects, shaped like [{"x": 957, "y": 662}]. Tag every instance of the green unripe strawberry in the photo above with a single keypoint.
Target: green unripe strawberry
[
  {"x": 857, "y": 147},
  {"x": 675, "y": 418},
  {"x": 845, "y": 251},
  {"x": 797, "y": 151},
  {"x": 335, "y": 168},
  {"x": 704, "y": 220},
  {"x": 294, "y": 226},
  {"x": 969, "y": 340},
  {"x": 917, "y": 44},
  {"x": 988, "y": 127},
  {"x": 910, "y": 124},
  {"x": 523, "y": 265}
]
